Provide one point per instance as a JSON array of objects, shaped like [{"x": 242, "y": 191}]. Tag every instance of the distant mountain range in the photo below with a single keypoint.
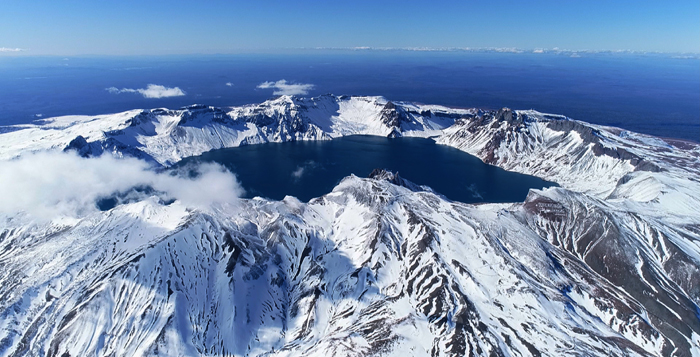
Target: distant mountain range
[{"x": 606, "y": 264}]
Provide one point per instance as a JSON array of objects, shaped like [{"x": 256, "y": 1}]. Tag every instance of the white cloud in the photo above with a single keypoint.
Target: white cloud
[
  {"x": 6, "y": 49},
  {"x": 151, "y": 91},
  {"x": 52, "y": 185},
  {"x": 281, "y": 87},
  {"x": 303, "y": 169},
  {"x": 229, "y": 84},
  {"x": 298, "y": 173}
]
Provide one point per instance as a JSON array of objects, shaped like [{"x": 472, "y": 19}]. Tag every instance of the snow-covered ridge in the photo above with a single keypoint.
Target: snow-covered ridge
[
  {"x": 371, "y": 268},
  {"x": 607, "y": 264},
  {"x": 577, "y": 155},
  {"x": 167, "y": 136}
]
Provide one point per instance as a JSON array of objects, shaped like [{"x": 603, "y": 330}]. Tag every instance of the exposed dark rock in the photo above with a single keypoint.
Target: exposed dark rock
[
  {"x": 80, "y": 146},
  {"x": 139, "y": 119},
  {"x": 589, "y": 233},
  {"x": 394, "y": 178},
  {"x": 506, "y": 114},
  {"x": 197, "y": 111},
  {"x": 392, "y": 116},
  {"x": 588, "y": 134},
  {"x": 395, "y": 133}
]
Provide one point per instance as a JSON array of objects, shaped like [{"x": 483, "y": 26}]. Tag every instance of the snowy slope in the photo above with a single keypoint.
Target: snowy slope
[
  {"x": 606, "y": 264},
  {"x": 371, "y": 268},
  {"x": 167, "y": 136},
  {"x": 580, "y": 156}
]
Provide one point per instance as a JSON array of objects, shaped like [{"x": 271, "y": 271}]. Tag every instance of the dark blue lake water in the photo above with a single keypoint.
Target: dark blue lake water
[
  {"x": 654, "y": 94},
  {"x": 311, "y": 169}
]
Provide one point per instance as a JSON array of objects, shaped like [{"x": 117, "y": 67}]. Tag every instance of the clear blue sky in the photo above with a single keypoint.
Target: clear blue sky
[{"x": 153, "y": 27}]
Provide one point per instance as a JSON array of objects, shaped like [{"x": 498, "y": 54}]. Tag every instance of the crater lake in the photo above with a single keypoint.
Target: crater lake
[{"x": 309, "y": 169}]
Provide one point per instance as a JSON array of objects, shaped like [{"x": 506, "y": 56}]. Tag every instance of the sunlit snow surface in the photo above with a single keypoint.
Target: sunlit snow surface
[{"x": 607, "y": 264}]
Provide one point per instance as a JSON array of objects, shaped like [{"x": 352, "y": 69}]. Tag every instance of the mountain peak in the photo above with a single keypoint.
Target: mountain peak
[{"x": 394, "y": 178}]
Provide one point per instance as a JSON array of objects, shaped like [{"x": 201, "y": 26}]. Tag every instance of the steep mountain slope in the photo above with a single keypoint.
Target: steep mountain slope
[
  {"x": 580, "y": 156},
  {"x": 607, "y": 264},
  {"x": 371, "y": 268}
]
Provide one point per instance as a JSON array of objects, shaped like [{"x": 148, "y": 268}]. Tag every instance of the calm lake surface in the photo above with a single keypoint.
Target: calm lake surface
[{"x": 311, "y": 169}]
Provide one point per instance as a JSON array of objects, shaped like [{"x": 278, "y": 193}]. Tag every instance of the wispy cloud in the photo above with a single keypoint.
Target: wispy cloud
[
  {"x": 229, "y": 84},
  {"x": 52, "y": 185},
  {"x": 281, "y": 87},
  {"x": 151, "y": 91},
  {"x": 6, "y": 49},
  {"x": 302, "y": 170},
  {"x": 298, "y": 173}
]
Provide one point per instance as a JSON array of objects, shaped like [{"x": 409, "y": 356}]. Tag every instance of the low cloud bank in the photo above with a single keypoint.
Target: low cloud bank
[
  {"x": 53, "y": 185},
  {"x": 6, "y": 49},
  {"x": 151, "y": 91},
  {"x": 281, "y": 87}
]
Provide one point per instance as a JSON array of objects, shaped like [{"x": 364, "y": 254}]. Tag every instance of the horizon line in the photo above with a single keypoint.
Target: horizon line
[{"x": 20, "y": 52}]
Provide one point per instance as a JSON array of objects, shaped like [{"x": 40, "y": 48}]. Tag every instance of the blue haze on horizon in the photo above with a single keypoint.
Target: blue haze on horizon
[{"x": 158, "y": 27}]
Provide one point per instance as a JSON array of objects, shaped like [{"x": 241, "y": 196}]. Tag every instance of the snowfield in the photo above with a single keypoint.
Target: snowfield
[{"x": 606, "y": 264}]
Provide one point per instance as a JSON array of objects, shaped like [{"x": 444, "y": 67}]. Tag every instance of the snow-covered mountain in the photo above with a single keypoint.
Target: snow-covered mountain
[
  {"x": 167, "y": 136},
  {"x": 606, "y": 264}
]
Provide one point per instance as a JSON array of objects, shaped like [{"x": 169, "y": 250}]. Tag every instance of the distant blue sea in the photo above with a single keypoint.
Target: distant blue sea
[{"x": 654, "y": 94}]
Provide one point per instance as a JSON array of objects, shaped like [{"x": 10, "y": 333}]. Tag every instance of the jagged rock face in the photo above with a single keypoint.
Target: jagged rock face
[
  {"x": 110, "y": 145},
  {"x": 577, "y": 155},
  {"x": 80, "y": 146},
  {"x": 394, "y": 178},
  {"x": 393, "y": 116},
  {"x": 616, "y": 242},
  {"x": 607, "y": 264},
  {"x": 369, "y": 269}
]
